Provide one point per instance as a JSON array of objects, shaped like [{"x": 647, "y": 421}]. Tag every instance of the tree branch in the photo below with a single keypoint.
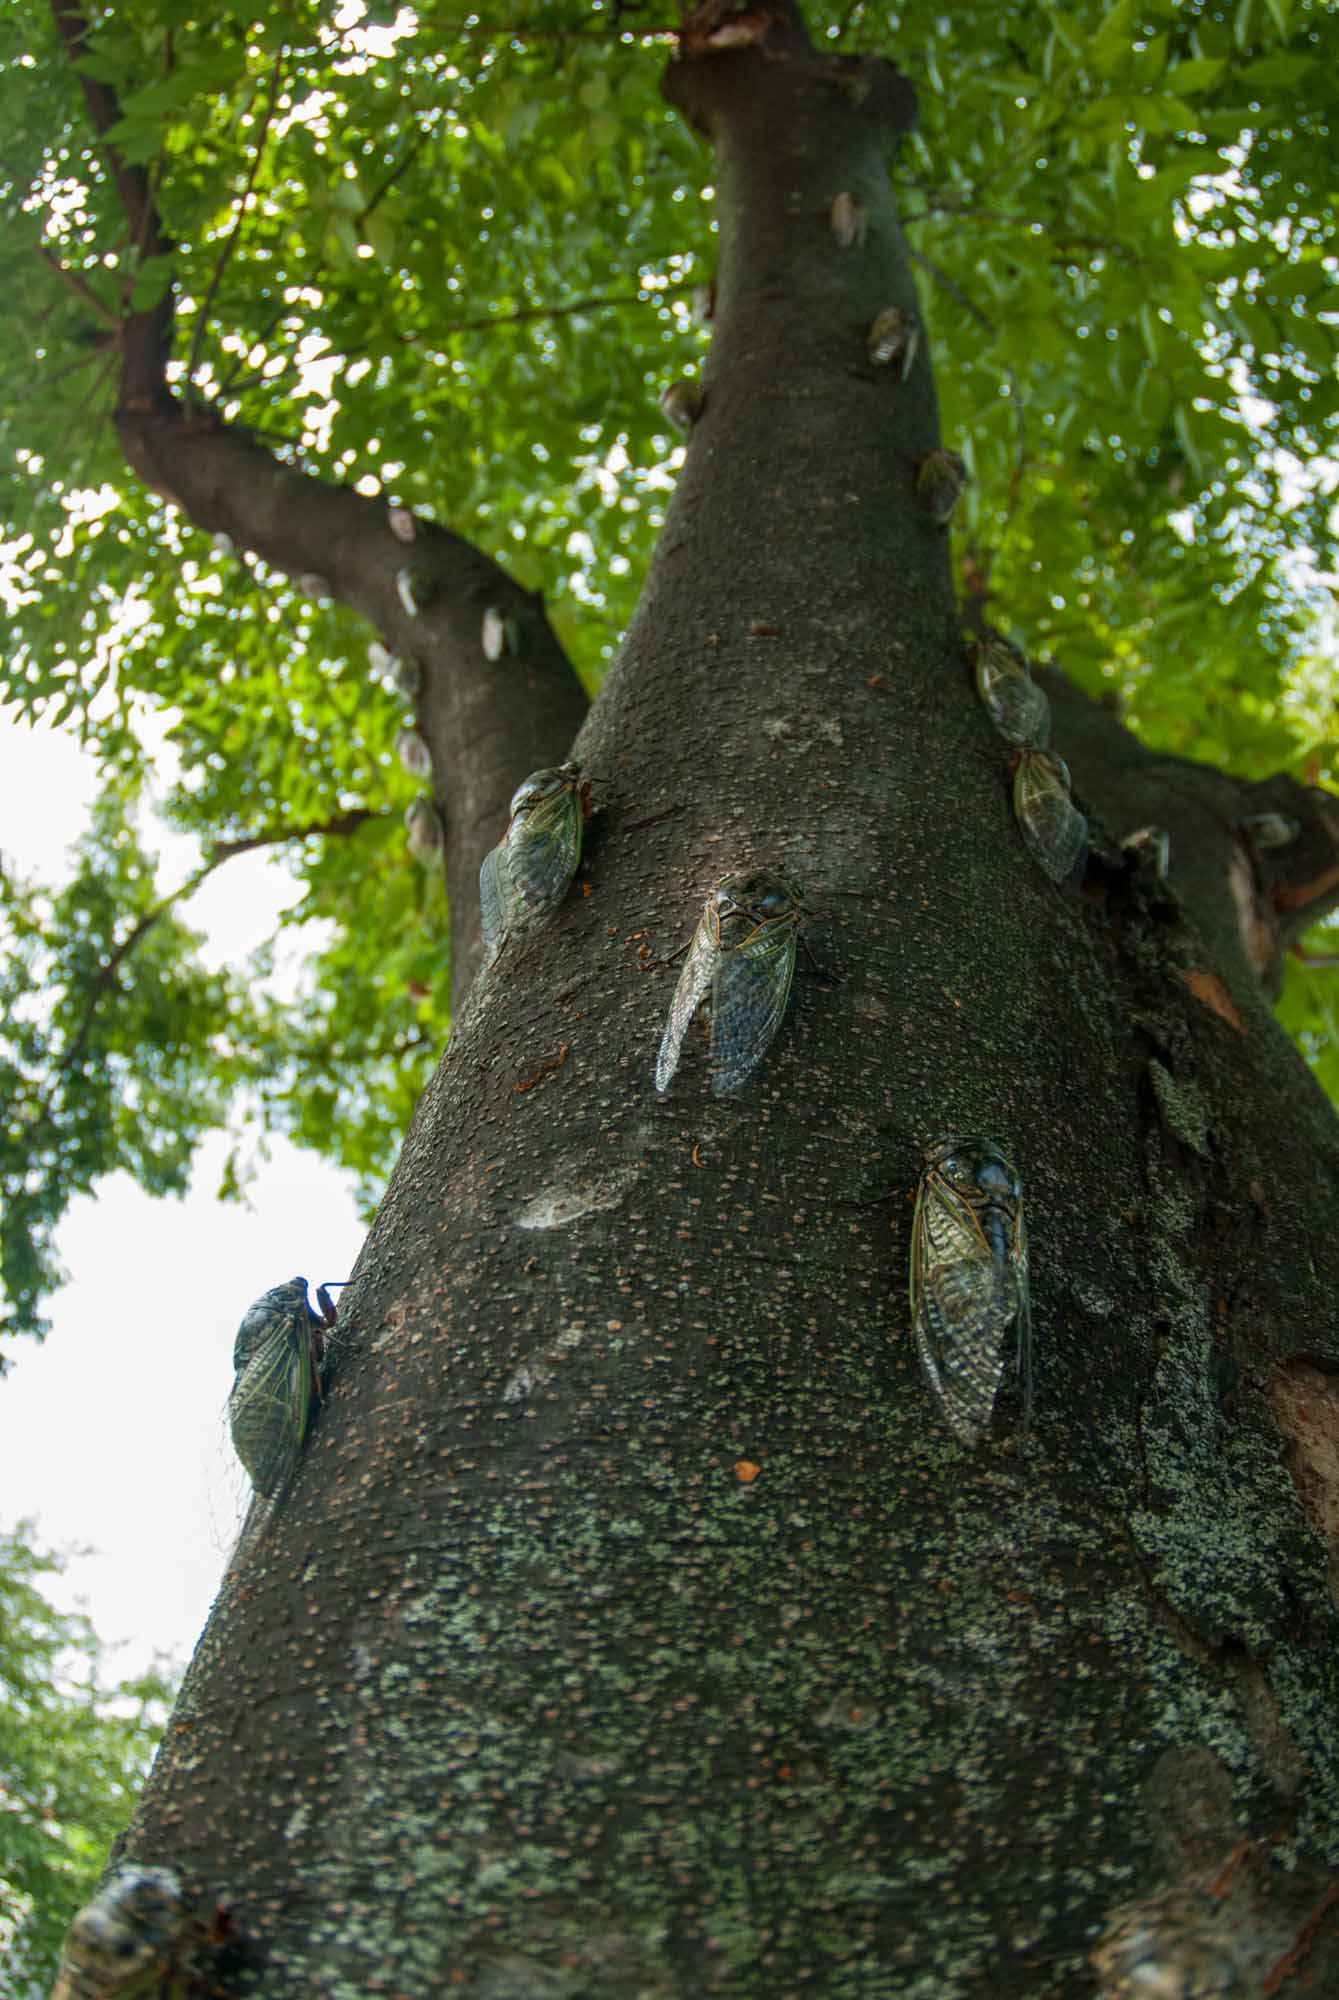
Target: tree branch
[
  {"x": 230, "y": 242},
  {"x": 81, "y": 288}
]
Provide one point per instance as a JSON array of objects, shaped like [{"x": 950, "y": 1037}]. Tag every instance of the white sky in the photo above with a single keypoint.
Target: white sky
[{"x": 113, "y": 1433}]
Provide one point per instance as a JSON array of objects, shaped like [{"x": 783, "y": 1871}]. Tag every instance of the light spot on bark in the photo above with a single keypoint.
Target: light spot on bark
[{"x": 556, "y": 1207}]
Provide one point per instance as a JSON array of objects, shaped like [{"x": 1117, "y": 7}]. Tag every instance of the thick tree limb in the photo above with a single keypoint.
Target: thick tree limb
[{"x": 486, "y": 723}]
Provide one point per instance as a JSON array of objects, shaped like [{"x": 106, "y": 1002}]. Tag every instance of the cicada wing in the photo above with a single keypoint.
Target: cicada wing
[
  {"x": 1052, "y": 826},
  {"x": 270, "y": 1404},
  {"x": 694, "y": 979},
  {"x": 543, "y": 850},
  {"x": 960, "y": 1328},
  {"x": 749, "y": 990},
  {"x": 499, "y": 903}
]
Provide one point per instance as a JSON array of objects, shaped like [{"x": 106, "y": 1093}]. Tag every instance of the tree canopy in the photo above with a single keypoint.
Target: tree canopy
[{"x": 446, "y": 261}]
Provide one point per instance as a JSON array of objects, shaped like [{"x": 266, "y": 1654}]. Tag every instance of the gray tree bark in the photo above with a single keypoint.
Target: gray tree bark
[{"x": 634, "y": 1625}]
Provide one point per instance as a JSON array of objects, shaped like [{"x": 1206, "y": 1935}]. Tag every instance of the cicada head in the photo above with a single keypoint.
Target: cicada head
[
  {"x": 127, "y": 1933},
  {"x": 759, "y": 894},
  {"x": 941, "y": 477},
  {"x": 1052, "y": 826},
  {"x": 413, "y": 753},
  {"x": 1011, "y": 698},
  {"x": 542, "y": 785},
  {"x": 1266, "y": 830}
]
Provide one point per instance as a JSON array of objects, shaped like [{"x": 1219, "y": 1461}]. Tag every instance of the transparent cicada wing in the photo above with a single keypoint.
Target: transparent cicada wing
[
  {"x": 499, "y": 904},
  {"x": 544, "y": 848},
  {"x": 970, "y": 1303},
  {"x": 1011, "y": 698},
  {"x": 125, "y": 1940},
  {"x": 749, "y": 989},
  {"x": 694, "y": 979},
  {"x": 272, "y": 1399},
  {"x": 1053, "y": 828}
]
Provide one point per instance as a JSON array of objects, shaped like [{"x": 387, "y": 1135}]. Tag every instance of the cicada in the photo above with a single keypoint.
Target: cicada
[
  {"x": 498, "y": 634},
  {"x": 895, "y": 336},
  {"x": 1266, "y": 830},
  {"x": 281, "y": 1369},
  {"x": 415, "y": 586},
  {"x": 1011, "y": 698},
  {"x": 530, "y": 870},
  {"x": 1055, "y": 831},
  {"x": 424, "y": 829},
  {"x": 969, "y": 1280},
  {"x": 413, "y": 753},
  {"x": 940, "y": 479},
  {"x": 402, "y": 523},
  {"x": 743, "y": 952},
  {"x": 850, "y": 221},
  {"x": 1176, "y": 1945},
  {"x": 126, "y": 1940},
  {"x": 682, "y": 403}
]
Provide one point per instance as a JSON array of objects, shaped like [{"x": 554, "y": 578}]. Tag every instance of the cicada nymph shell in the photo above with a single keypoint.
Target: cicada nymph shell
[
  {"x": 281, "y": 1369},
  {"x": 1053, "y": 828},
  {"x": 894, "y": 337},
  {"x": 528, "y": 873},
  {"x": 1176, "y": 1945},
  {"x": 743, "y": 954},
  {"x": 1011, "y": 698},
  {"x": 970, "y": 1300},
  {"x": 125, "y": 1940}
]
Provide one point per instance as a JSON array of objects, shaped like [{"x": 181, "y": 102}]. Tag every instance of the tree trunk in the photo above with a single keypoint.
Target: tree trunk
[{"x": 634, "y": 1624}]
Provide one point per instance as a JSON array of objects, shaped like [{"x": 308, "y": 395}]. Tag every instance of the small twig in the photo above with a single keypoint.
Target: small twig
[
  {"x": 230, "y": 241},
  {"x": 412, "y": 153},
  {"x": 342, "y": 823},
  {"x": 82, "y": 290}
]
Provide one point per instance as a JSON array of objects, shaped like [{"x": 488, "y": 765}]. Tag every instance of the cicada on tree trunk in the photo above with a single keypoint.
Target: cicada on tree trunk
[
  {"x": 969, "y": 1280},
  {"x": 281, "y": 1363},
  {"x": 530, "y": 870},
  {"x": 743, "y": 953},
  {"x": 127, "y": 1940},
  {"x": 1011, "y": 698},
  {"x": 1053, "y": 828}
]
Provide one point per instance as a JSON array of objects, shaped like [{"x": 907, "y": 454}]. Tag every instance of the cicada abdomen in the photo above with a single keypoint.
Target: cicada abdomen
[
  {"x": 126, "y": 1940},
  {"x": 528, "y": 873},
  {"x": 970, "y": 1299},
  {"x": 1179, "y": 1943},
  {"x": 282, "y": 1366},
  {"x": 1011, "y": 698},
  {"x": 1053, "y": 828},
  {"x": 743, "y": 952},
  {"x": 893, "y": 338}
]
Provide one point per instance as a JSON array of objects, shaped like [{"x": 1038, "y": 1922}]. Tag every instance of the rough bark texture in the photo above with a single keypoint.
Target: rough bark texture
[{"x": 531, "y": 1689}]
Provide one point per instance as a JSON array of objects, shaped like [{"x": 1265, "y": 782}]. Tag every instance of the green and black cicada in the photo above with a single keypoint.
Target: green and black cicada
[
  {"x": 530, "y": 870},
  {"x": 1053, "y": 829},
  {"x": 127, "y": 1940},
  {"x": 969, "y": 1280},
  {"x": 743, "y": 953},
  {"x": 1011, "y": 698},
  {"x": 281, "y": 1363}
]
